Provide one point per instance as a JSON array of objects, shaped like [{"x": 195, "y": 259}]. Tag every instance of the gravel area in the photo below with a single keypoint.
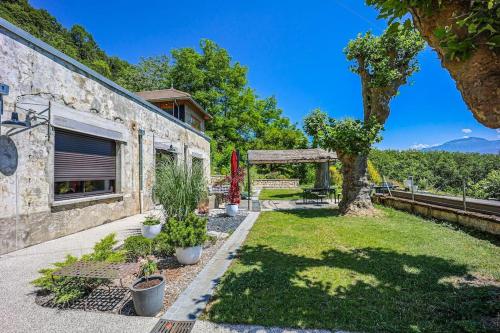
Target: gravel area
[
  {"x": 178, "y": 277},
  {"x": 218, "y": 220}
]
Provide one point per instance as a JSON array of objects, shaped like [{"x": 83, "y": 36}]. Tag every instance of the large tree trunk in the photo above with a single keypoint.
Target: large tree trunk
[
  {"x": 322, "y": 176},
  {"x": 355, "y": 187},
  {"x": 477, "y": 77}
]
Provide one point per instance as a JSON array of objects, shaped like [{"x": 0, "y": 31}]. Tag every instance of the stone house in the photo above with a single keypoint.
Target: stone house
[{"x": 89, "y": 155}]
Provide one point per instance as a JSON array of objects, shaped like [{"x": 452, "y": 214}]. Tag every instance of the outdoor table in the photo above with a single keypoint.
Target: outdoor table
[{"x": 318, "y": 192}]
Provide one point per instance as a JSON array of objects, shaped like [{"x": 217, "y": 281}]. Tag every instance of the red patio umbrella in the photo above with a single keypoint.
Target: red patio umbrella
[{"x": 235, "y": 197}]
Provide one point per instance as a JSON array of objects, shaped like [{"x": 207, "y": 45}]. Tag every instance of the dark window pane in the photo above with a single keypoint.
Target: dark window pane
[
  {"x": 68, "y": 187},
  {"x": 182, "y": 113}
]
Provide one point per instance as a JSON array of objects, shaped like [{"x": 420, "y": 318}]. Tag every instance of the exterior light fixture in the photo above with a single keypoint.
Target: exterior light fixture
[
  {"x": 172, "y": 149},
  {"x": 15, "y": 125},
  {"x": 14, "y": 122}
]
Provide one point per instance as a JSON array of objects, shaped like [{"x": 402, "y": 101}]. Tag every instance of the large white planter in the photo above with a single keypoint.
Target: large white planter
[
  {"x": 150, "y": 231},
  {"x": 188, "y": 255},
  {"x": 231, "y": 209}
]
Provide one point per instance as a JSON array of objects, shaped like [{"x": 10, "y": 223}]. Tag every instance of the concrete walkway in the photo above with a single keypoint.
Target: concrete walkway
[
  {"x": 191, "y": 303},
  {"x": 18, "y": 311},
  {"x": 205, "y": 326},
  {"x": 267, "y": 205}
]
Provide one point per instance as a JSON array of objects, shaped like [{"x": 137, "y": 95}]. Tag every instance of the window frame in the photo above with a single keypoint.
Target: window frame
[{"x": 114, "y": 183}]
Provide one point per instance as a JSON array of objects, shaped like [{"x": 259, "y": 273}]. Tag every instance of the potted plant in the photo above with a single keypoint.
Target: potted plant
[
  {"x": 234, "y": 196},
  {"x": 187, "y": 237},
  {"x": 148, "y": 291},
  {"x": 151, "y": 227}
]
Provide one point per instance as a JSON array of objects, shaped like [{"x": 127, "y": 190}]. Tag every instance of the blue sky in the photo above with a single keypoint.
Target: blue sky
[{"x": 293, "y": 50}]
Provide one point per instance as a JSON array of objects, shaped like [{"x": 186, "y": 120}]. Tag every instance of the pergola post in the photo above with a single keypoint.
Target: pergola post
[{"x": 249, "y": 198}]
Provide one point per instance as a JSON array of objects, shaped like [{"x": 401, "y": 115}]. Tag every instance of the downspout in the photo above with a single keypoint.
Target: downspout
[{"x": 141, "y": 181}]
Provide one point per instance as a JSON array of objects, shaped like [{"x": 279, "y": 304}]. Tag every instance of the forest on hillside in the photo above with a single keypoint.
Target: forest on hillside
[
  {"x": 440, "y": 171},
  {"x": 242, "y": 119}
]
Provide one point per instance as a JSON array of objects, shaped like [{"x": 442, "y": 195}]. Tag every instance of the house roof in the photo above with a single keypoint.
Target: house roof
[
  {"x": 170, "y": 95},
  {"x": 313, "y": 155}
]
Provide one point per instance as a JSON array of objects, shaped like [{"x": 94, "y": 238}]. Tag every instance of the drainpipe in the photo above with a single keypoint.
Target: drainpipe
[{"x": 141, "y": 181}]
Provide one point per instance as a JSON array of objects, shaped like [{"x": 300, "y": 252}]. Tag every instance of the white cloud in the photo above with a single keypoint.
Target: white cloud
[
  {"x": 419, "y": 146},
  {"x": 466, "y": 130},
  {"x": 466, "y": 137}
]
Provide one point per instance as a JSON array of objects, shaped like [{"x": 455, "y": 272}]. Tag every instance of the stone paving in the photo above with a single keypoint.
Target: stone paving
[
  {"x": 267, "y": 205},
  {"x": 18, "y": 311}
]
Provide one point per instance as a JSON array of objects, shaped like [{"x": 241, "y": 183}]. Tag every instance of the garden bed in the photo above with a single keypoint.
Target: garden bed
[{"x": 116, "y": 299}]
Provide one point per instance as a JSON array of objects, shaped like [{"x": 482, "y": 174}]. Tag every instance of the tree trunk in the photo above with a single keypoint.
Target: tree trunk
[
  {"x": 322, "y": 176},
  {"x": 355, "y": 187},
  {"x": 476, "y": 77}
]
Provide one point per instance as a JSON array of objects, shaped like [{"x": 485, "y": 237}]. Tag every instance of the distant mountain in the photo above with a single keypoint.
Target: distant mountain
[{"x": 469, "y": 145}]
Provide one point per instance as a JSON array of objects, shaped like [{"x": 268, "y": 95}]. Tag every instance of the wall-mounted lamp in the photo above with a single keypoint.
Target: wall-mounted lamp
[
  {"x": 15, "y": 125},
  {"x": 172, "y": 149}
]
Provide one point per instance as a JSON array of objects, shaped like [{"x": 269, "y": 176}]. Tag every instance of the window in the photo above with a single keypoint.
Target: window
[
  {"x": 176, "y": 110},
  {"x": 163, "y": 155},
  {"x": 197, "y": 163},
  {"x": 84, "y": 165},
  {"x": 195, "y": 122}
]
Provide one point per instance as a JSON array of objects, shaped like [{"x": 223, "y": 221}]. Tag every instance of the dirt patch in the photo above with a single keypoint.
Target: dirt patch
[{"x": 147, "y": 284}]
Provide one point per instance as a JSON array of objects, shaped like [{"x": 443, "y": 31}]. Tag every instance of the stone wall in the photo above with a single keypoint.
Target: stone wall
[
  {"x": 486, "y": 223},
  {"x": 34, "y": 71},
  {"x": 275, "y": 183}
]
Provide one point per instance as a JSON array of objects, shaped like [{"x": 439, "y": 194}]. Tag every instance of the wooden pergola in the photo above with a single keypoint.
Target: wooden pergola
[{"x": 287, "y": 156}]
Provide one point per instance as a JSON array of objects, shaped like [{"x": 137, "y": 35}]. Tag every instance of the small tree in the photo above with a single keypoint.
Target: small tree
[
  {"x": 384, "y": 64},
  {"x": 234, "y": 193}
]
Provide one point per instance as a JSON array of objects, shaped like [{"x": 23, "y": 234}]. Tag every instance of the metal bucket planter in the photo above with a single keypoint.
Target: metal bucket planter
[
  {"x": 151, "y": 231},
  {"x": 231, "y": 209},
  {"x": 148, "y": 302},
  {"x": 188, "y": 255}
]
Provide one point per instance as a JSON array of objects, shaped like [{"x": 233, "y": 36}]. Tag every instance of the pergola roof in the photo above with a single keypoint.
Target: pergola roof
[{"x": 313, "y": 155}]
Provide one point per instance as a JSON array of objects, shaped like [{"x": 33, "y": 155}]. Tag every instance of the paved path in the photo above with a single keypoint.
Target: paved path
[
  {"x": 191, "y": 303},
  {"x": 18, "y": 311},
  {"x": 206, "y": 326},
  {"x": 267, "y": 205}
]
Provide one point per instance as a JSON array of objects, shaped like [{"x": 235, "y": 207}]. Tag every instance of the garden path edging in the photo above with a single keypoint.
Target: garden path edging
[{"x": 192, "y": 301}]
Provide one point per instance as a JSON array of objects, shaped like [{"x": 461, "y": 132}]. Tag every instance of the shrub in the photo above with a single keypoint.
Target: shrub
[
  {"x": 373, "y": 174},
  {"x": 190, "y": 232},
  {"x": 179, "y": 189},
  {"x": 68, "y": 289},
  {"x": 151, "y": 220},
  {"x": 163, "y": 245},
  {"x": 335, "y": 176},
  {"x": 138, "y": 246},
  {"x": 489, "y": 187}
]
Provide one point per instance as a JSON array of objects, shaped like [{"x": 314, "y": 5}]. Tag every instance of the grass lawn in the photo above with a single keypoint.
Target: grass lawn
[
  {"x": 280, "y": 194},
  {"x": 395, "y": 273}
]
